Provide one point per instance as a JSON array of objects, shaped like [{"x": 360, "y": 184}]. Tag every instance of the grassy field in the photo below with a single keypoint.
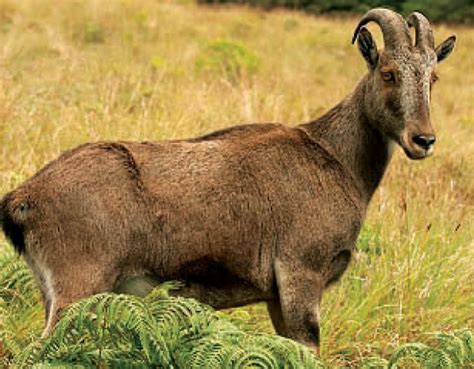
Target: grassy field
[{"x": 78, "y": 71}]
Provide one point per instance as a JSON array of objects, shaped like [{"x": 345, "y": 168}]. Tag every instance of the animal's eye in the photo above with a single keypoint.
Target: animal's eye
[
  {"x": 388, "y": 76},
  {"x": 434, "y": 78}
]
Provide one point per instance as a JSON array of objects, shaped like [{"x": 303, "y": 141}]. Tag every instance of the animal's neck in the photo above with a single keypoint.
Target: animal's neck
[{"x": 347, "y": 132}]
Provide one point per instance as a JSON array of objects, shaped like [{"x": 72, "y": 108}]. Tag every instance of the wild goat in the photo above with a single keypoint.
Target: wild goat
[{"x": 259, "y": 212}]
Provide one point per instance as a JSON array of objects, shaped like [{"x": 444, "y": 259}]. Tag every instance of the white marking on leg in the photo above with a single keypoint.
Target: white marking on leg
[{"x": 51, "y": 297}]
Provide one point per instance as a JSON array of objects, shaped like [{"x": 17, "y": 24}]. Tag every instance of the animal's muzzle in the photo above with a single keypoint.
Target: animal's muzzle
[{"x": 424, "y": 141}]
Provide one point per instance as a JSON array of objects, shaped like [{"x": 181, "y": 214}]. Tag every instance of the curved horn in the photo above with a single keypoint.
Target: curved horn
[
  {"x": 394, "y": 28},
  {"x": 424, "y": 33}
]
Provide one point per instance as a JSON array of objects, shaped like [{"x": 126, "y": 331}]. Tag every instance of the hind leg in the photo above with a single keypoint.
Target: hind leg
[
  {"x": 40, "y": 277},
  {"x": 70, "y": 283}
]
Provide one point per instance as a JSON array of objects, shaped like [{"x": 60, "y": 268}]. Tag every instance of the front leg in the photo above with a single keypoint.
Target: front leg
[
  {"x": 300, "y": 290},
  {"x": 276, "y": 316}
]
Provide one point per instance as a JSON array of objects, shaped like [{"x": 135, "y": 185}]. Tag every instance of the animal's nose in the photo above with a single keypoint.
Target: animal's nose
[{"x": 424, "y": 141}]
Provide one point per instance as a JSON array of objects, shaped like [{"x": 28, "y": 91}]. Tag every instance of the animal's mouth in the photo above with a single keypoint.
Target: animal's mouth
[{"x": 417, "y": 154}]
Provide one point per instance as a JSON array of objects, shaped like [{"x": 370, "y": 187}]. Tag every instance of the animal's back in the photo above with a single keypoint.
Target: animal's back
[{"x": 234, "y": 196}]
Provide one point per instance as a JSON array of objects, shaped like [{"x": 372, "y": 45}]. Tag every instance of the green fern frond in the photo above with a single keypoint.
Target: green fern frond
[
  {"x": 20, "y": 305},
  {"x": 240, "y": 358},
  {"x": 468, "y": 340},
  {"x": 29, "y": 356},
  {"x": 453, "y": 346},
  {"x": 15, "y": 279},
  {"x": 452, "y": 350},
  {"x": 58, "y": 366},
  {"x": 415, "y": 351},
  {"x": 162, "y": 291},
  {"x": 206, "y": 353}
]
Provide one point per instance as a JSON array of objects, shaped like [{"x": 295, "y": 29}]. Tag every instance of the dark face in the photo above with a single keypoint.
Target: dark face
[{"x": 401, "y": 81}]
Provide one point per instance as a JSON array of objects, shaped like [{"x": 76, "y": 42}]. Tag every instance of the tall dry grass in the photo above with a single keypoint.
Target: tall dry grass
[{"x": 78, "y": 71}]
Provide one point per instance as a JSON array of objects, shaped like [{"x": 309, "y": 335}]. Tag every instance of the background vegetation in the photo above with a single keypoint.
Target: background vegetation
[
  {"x": 72, "y": 72},
  {"x": 453, "y": 11}
]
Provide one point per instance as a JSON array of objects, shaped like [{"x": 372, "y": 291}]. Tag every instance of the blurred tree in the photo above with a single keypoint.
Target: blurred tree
[{"x": 457, "y": 11}]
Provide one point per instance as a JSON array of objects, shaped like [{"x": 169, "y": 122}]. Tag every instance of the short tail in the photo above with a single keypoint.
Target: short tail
[
  {"x": 12, "y": 228},
  {"x": 2, "y": 210}
]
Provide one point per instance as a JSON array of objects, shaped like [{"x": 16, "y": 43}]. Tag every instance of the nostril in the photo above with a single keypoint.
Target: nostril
[{"x": 425, "y": 141}]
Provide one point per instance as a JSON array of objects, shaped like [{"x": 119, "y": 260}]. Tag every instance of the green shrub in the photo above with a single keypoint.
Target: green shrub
[
  {"x": 457, "y": 11},
  {"x": 230, "y": 60},
  {"x": 93, "y": 33}
]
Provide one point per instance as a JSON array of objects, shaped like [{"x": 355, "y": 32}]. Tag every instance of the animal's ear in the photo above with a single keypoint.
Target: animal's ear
[
  {"x": 445, "y": 48},
  {"x": 367, "y": 47}
]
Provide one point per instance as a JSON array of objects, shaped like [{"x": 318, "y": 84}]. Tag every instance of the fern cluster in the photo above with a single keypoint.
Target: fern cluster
[
  {"x": 450, "y": 351},
  {"x": 159, "y": 331}
]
